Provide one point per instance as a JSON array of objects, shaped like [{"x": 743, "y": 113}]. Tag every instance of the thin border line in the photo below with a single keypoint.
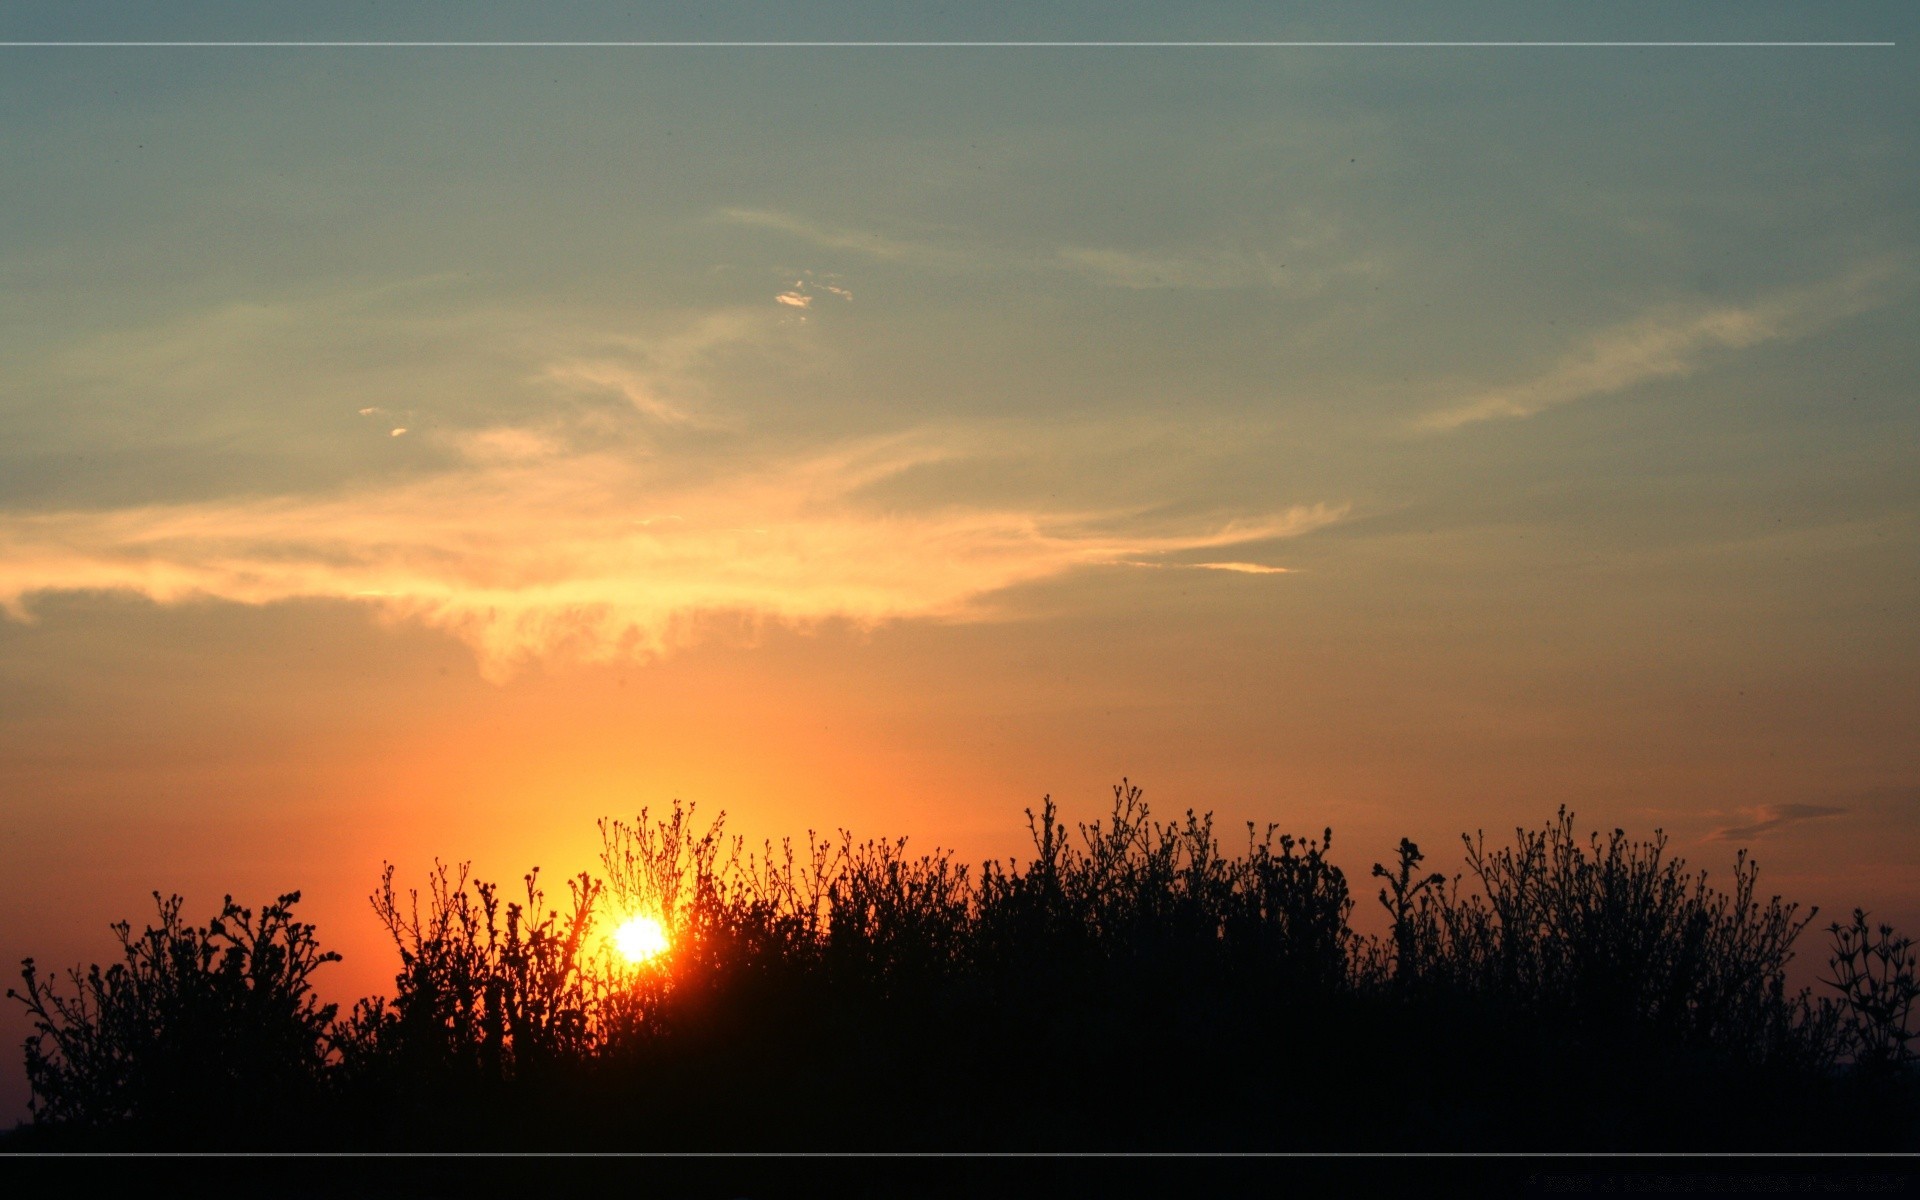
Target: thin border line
[
  {"x": 1562, "y": 1156},
  {"x": 920, "y": 45}
]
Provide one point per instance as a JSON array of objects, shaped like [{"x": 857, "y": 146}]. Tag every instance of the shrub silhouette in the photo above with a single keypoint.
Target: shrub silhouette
[
  {"x": 196, "y": 1028},
  {"x": 1875, "y": 972},
  {"x": 1127, "y": 985},
  {"x": 488, "y": 992},
  {"x": 1611, "y": 940}
]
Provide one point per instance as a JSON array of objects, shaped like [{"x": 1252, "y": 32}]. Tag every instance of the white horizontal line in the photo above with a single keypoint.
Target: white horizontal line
[
  {"x": 917, "y": 45},
  {"x": 1535, "y": 1155}
]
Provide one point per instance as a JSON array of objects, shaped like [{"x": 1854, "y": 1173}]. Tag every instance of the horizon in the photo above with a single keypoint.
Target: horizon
[{"x": 414, "y": 453}]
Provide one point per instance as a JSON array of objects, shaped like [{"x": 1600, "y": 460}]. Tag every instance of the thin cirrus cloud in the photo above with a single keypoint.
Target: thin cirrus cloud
[
  {"x": 1244, "y": 568},
  {"x": 1671, "y": 343},
  {"x": 638, "y": 388},
  {"x": 529, "y": 551},
  {"x": 860, "y": 241},
  {"x": 658, "y": 375},
  {"x": 1128, "y": 269},
  {"x": 1302, "y": 263},
  {"x": 1772, "y": 818}
]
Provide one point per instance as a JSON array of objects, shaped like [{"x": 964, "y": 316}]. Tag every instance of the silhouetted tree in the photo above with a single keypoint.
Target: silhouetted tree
[{"x": 196, "y": 1030}]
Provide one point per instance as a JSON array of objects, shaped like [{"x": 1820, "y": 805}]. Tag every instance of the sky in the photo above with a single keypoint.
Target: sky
[{"x": 415, "y": 452}]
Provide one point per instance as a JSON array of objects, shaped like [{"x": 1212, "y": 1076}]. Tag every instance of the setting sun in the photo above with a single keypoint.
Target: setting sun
[{"x": 641, "y": 939}]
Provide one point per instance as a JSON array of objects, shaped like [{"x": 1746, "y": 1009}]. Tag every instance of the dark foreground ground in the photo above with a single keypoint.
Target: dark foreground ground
[{"x": 406, "y": 1178}]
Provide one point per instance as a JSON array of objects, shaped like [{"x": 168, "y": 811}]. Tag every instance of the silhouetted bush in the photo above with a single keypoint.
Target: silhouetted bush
[
  {"x": 1129, "y": 985},
  {"x": 1612, "y": 941},
  {"x": 199, "y": 1035},
  {"x": 1874, "y": 972}
]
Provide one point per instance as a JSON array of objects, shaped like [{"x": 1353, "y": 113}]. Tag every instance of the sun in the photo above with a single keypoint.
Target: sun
[{"x": 641, "y": 939}]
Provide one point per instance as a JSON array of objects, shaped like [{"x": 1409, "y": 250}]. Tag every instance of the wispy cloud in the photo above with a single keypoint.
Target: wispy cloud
[
  {"x": 1307, "y": 519},
  {"x": 1771, "y": 818},
  {"x": 536, "y": 529},
  {"x": 660, "y": 374},
  {"x": 529, "y": 551},
  {"x": 1244, "y": 568},
  {"x": 1304, "y": 262},
  {"x": 1673, "y": 342},
  {"x": 639, "y": 388},
  {"x": 1132, "y": 270},
  {"x": 801, "y": 293},
  {"x": 1304, "y": 267},
  {"x": 866, "y": 242},
  {"x": 505, "y": 445}
]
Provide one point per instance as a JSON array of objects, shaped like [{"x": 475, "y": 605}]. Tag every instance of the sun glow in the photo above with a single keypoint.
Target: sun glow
[{"x": 641, "y": 939}]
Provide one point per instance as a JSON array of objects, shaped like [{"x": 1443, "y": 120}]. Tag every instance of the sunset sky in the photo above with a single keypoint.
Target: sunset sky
[{"x": 425, "y": 451}]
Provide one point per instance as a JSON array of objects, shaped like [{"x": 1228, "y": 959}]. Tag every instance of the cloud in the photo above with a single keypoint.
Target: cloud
[
  {"x": 865, "y": 242},
  {"x": 1301, "y": 269},
  {"x": 503, "y": 445},
  {"x": 1245, "y": 568},
  {"x": 639, "y": 388},
  {"x": 804, "y": 290},
  {"x": 1298, "y": 263},
  {"x": 1241, "y": 568},
  {"x": 1771, "y": 818},
  {"x": 529, "y": 551},
  {"x": 1671, "y": 343},
  {"x": 660, "y": 373}
]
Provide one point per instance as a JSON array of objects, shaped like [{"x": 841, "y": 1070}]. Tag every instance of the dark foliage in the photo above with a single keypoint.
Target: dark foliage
[
  {"x": 1874, "y": 972},
  {"x": 201, "y": 1035},
  {"x": 1130, "y": 986}
]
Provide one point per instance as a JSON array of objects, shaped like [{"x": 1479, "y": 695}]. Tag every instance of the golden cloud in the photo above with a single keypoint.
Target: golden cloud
[{"x": 527, "y": 551}]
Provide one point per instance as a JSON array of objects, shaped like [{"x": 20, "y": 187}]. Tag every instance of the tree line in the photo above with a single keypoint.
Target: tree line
[{"x": 1128, "y": 985}]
